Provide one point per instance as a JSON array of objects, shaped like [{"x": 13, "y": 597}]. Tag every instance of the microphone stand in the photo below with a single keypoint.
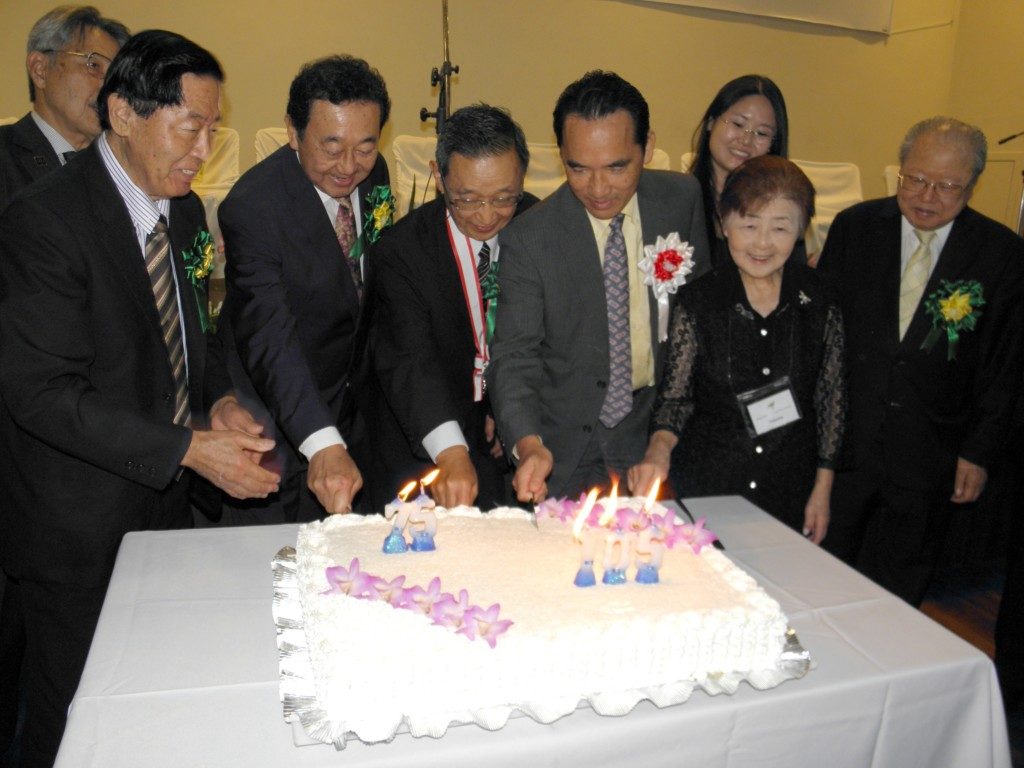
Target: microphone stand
[{"x": 443, "y": 78}]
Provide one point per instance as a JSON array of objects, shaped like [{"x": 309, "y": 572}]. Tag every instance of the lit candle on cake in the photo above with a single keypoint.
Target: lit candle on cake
[
  {"x": 614, "y": 567},
  {"x": 649, "y": 551},
  {"x": 423, "y": 521},
  {"x": 583, "y": 534},
  {"x": 401, "y": 510}
]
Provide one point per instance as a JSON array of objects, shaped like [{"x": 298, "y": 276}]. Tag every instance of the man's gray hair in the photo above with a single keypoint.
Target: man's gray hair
[
  {"x": 969, "y": 137},
  {"x": 64, "y": 25}
]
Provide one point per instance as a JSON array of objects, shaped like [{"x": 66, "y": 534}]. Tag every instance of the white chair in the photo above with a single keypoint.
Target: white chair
[
  {"x": 889, "y": 174},
  {"x": 268, "y": 140},
  {"x": 213, "y": 182},
  {"x": 411, "y": 171},
  {"x": 837, "y": 187},
  {"x": 685, "y": 160},
  {"x": 221, "y": 167},
  {"x": 8, "y": 120}
]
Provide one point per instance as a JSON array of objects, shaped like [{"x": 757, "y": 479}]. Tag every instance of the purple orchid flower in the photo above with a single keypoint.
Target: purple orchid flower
[
  {"x": 423, "y": 600},
  {"x": 390, "y": 591},
  {"x": 671, "y": 528},
  {"x": 697, "y": 536},
  {"x": 484, "y": 624},
  {"x": 449, "y": 612},
  {"x": 631, "y": 521},
  {"x": 348, "y": 581}
]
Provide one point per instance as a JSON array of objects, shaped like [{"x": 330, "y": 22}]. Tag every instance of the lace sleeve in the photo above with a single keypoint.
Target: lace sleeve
[
  {"x": 674, "y": 404},
  {"x": 830, "y": 393}
]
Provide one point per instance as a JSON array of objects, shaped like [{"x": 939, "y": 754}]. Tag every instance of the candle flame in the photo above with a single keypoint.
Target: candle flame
[
  {"x": 406, "y": 490},
  {"x": 652, "y": 495},
  {"x": 612, "y": 505},
  {"x": 581, "y": 518},
  {"x": 430, "y": 477}
]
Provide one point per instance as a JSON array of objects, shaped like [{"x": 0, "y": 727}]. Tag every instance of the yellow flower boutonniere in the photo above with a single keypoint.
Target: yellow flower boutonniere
[{"x": 954, "y": 309}]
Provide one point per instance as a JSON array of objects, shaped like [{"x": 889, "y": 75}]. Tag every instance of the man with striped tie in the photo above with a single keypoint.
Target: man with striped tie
[
  {"x": 932, "y": 295},
  {"x": 111, "y": 399},
  {"x": 435, "y": 299}
]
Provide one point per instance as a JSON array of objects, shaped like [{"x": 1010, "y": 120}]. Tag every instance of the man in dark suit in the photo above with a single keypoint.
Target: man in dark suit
[
  {"x": 294, "y": 227},
  {"x": 578, "y": 348},
  {"x": 435, "y": 288},
  {"x": 933, "y": 373},
  {"x": 69, "y": 50},
  {"x": 104, "y": 372}
]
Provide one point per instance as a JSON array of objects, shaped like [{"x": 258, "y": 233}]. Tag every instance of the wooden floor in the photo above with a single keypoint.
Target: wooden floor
[{"x": 966, "y": 602}]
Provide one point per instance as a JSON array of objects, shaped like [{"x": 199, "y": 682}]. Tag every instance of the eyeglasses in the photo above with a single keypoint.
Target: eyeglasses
[
  {"x": 472, "y": 206},
  {"x": 916, "y": 185},
  {"x": 761, "y": 136},
  {"x": 96, "y": 63}
]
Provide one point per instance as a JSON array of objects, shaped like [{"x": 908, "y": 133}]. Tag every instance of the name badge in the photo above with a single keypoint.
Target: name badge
[{"x": 769, "y": 407}]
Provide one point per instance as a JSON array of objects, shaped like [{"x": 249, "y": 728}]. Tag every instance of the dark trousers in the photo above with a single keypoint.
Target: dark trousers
[
  {"x": 12, "y": 653},
  {"x": 611, "y": 452},
  {"x": 59, "y": 621},
  {"x": 893, "y": 535},
  {"x": 1010, "y": 622}
]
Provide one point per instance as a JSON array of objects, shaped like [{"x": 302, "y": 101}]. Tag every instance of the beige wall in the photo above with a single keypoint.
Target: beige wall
[{"x": 850, "y": 95}]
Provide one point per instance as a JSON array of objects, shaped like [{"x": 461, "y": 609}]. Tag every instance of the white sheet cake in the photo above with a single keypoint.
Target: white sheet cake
[{"x": 377, "y": 669}]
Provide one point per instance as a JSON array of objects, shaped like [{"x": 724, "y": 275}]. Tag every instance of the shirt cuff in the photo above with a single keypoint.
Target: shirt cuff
[
  {"x": 322, "y": 438},
  {"x": 442, "y": 437}
]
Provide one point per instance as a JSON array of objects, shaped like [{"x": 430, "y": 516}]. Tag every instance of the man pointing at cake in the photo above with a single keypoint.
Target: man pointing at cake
[{"x": 577, "y": 350}]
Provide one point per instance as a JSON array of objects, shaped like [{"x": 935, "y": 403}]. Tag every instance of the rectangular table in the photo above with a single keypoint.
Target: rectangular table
[{"x": 183, "y": 672}]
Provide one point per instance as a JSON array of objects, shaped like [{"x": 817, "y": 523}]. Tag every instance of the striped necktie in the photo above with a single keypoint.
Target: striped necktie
[
  {"x": 915, "y": 277},
  {"x": 618, "y": 399},
  {"x": 483, "y": 264},
  {"x": 158, "y": 265}
]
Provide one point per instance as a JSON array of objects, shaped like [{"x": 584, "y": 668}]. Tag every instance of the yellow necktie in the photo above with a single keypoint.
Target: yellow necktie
[{"x": 914, "y": 279}]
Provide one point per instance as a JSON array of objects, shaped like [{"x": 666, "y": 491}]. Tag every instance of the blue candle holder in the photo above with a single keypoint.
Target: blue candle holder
[
  {"x": 614, "y": 576},
  {"x": 394, "y": 544},
  {"x": 646, "y": 574},
  {"x": 585, "y": 575},
  {"x": 422, "y": 541}
]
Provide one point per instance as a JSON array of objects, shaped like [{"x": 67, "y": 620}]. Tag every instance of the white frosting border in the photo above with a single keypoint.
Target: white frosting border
[{"x": 298, "y": 687}]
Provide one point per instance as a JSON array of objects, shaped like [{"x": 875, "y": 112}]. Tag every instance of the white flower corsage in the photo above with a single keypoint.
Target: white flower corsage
[{"x": 665, "y": 266}]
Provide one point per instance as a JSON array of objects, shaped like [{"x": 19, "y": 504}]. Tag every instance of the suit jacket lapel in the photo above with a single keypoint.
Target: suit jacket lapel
[
  {"x": 449, "y": 278},
  {"x": 38, "y": 158},
  {"x": 119, "y": 243}
]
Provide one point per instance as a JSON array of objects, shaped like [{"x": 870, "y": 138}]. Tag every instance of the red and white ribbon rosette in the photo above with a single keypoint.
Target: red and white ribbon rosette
[{"x": 665, "y": 266}]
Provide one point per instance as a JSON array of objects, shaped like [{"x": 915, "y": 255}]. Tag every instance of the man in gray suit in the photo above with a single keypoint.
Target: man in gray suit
[{"x": 577, "y": 354}]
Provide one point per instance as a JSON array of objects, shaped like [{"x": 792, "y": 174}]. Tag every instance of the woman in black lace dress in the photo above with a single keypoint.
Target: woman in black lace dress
[{"x": 753, "y": 397}]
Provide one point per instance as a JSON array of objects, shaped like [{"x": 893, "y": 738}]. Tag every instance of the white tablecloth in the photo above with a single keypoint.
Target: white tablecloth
[{"x": 183, "y": 672}]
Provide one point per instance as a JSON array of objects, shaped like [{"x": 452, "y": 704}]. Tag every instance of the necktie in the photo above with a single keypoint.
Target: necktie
[
  {"x": 345, "y": 229},
  {"x": 914, "y": 279},
  {"x": 618, "y": 399},
  {"x": 158, "y": 265},
  {"x": 483, "y": 264}
]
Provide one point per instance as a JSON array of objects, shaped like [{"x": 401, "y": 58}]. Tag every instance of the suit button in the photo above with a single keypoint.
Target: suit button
[
  {"x": 129, "y": 464},
  {"x": 587, "y": 428},
  {"x": 766, "y": 371},
  {"x": 601, "y": 384}
]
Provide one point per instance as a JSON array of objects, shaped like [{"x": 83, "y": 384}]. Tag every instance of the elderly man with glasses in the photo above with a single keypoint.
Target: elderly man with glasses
[
  {"x": 69, "y": 50},
  {"x": 435, "y": 299},
  {"x": 931, "y": 293}
]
